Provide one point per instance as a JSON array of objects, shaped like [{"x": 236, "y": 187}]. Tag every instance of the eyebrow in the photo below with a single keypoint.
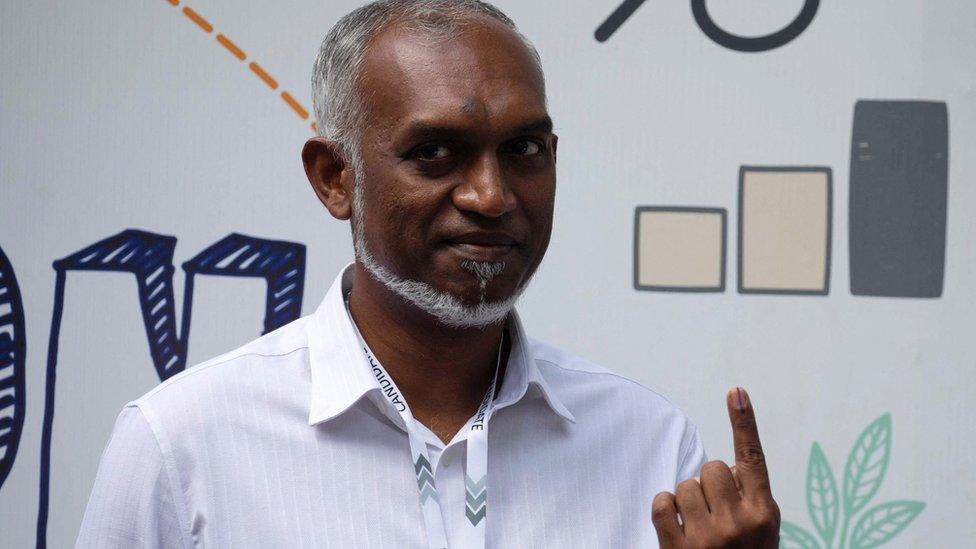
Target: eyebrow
[
  {"x": 421, "y": 129},
  {"x": 542, "y": 125}
]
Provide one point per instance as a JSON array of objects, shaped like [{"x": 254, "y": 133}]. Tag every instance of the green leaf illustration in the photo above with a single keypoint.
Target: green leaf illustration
[
  {"x": 867, "y": 464},
  {"x": 823, "y": 501},
  {"x": 792, "y": 536},
  {"x": 883, "y": 522}
]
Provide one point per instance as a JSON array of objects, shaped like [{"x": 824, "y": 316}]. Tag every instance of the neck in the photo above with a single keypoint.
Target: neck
[{"x": 442, "y": 372}]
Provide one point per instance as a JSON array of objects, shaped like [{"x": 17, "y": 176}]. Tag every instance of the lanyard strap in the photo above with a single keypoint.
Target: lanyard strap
[{"x": 476, "y": 471}]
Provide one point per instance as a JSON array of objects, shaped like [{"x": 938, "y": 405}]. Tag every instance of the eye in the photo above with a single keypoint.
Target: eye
[
  {"x": 431, "y": 152},
  {"x": 525, "y": 147}
]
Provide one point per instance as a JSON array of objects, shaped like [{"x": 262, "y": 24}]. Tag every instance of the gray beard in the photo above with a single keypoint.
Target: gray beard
[{"x": 446, "y": 308}]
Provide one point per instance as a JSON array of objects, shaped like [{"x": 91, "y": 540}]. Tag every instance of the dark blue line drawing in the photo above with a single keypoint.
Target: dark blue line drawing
[
  {"x": 721, "y": 212},
  {"x": 281, "y": 264},
  {"x": 754, "y": 44},
  {"x": 149, "y": 257},
  {"x": 717, "y": 34},
  {"x": 617, "y": 18},
  {"x": 13, "y": 351},
  {"x": 898, "y": 198}
]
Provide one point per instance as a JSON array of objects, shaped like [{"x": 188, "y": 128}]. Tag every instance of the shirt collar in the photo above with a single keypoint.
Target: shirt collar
[{"x": 341, "y": 376}]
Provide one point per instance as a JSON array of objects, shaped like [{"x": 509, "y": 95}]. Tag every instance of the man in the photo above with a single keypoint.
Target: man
[{"x": 368, "y": 423}]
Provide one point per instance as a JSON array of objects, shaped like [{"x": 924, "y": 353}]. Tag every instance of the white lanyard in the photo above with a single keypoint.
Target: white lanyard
[{"x": 476, "y": 471}]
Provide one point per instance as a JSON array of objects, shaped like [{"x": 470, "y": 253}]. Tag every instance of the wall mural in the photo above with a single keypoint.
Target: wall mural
[
  {"x": 679, "y": 249},
  {"x": 784, "y": 230},
  {"x": 898, "y": 198},
  {"x": 897, "y": 235},
  {"x": 897, "y": 208},
  {"x": 202, "y": 23},
  {"x": 13, "y": 353},
  {"x": 830, "y": 506},
  {"x": 149, "y": 257},
  {"x": 716, "y": 33}
]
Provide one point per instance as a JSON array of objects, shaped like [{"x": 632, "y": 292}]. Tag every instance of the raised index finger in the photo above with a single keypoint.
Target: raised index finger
[{"x": 749, "y": 459}]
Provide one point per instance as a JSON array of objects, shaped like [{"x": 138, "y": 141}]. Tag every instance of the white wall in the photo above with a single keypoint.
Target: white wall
[{"x": 119, "y": 115}]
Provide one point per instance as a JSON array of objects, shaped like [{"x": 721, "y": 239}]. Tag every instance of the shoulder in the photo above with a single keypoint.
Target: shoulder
[
  {"x": 263, "y": 372},
  {"x": 569, "y": 372},
  {"x": 589, "y": 389}
]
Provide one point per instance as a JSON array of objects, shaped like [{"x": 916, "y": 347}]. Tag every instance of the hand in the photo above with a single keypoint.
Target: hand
[{"x": 724, "y": 507}]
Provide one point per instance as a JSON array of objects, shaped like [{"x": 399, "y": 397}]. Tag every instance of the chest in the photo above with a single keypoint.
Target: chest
[{"x": 352, "y": 484}]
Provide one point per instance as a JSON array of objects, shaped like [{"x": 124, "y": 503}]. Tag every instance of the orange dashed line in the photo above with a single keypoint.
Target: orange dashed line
[
  {"x": 294, "y": 104},
  {"x": 256, "y": 69},
  {"x": 195, "y": 17},
  {"x": 231, "y": 47},
  {"x": 239, "y": 53}
]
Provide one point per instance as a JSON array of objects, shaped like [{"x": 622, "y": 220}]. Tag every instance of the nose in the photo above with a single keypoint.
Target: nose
[{"x": 484, "y": 190}]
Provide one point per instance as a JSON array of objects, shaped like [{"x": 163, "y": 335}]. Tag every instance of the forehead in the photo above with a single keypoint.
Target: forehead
[{"x": 483, "y": 73}]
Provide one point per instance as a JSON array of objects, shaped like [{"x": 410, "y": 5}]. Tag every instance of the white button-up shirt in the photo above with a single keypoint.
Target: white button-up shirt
[{"x": 287, "y": 442}]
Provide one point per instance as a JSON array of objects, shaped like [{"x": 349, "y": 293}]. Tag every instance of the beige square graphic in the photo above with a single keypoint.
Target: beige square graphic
[
  {"x": 784, "y": 230},
  {"x": 680, "y": 249}
]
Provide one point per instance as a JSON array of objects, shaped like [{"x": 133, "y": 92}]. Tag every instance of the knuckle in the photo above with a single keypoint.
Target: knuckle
[
  {"x": 713, "y": 467},
  {"x": 662, "y": 501},
  {"x": 772, "y": 510},
  {"x": 662, "y": 508},
  {"x": 751, "y": 453},
  {"x": 687, "y": 486},
  {"x": 771, "y": 517},
  {"x": 660, "y": 513},
  {"x": 765, "y": 521}
]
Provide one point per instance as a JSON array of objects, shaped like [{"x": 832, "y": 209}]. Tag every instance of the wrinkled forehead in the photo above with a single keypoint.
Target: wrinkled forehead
[{"x": 482, "y": 72}]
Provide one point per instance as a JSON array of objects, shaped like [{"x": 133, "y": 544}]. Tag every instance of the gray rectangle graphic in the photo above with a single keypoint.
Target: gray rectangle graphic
[{"x": 898, "y": 189}]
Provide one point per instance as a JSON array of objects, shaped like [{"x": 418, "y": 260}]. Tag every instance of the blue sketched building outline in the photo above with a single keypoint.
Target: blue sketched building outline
[
  {"x": 149, "y": 257},
  {"x": 13, "y": 354}
]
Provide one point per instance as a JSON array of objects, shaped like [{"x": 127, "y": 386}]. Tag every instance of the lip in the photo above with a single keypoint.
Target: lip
[
  {"x": 482, "y": 252},
  {"x": 483, "y": 239},
  {"x": 483, "y": 246}
]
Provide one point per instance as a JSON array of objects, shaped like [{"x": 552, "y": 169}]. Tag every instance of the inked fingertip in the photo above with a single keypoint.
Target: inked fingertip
[{"x": 740, "y": 399}]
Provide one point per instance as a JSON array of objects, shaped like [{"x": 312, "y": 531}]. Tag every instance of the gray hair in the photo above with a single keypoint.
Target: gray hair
[{"x": 339, "y": 105}]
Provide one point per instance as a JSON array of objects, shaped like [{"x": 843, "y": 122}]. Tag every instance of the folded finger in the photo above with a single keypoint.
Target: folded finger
[
  {"x": 664, "y": 515},
  {"x": 690, "y": 500},
  {"x": 718, "y": 486}
]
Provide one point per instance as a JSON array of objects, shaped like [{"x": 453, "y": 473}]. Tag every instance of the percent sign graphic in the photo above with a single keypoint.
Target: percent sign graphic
[{"x": 719, "y": 35}]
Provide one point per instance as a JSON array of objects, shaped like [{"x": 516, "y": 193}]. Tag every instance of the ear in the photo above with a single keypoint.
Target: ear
[{"x": 331, "y": 177}]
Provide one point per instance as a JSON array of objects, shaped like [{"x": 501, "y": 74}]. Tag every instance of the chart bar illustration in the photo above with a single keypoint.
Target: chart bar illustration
[
  {"x": 898, "y": 192},
  {"x": 784, "y": 238}
]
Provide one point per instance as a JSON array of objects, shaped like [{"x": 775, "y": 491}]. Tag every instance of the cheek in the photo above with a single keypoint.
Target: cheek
[
  {"x": 399, "y": 214},
  {"x": 538, "y": 203}
]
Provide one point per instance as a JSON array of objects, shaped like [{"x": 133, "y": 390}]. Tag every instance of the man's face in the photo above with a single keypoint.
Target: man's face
[{"x": 458, "y": 160}]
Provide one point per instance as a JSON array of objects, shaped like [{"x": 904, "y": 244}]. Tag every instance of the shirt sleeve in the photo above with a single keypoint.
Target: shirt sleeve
[
  {"x": 132, "y": 502},
  {"x": 693, "y": 456}
]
